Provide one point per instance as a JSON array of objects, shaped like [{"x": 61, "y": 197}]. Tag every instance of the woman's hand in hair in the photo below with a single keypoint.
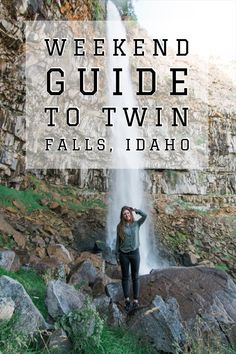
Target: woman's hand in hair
[{"x": 133, "y": 209}]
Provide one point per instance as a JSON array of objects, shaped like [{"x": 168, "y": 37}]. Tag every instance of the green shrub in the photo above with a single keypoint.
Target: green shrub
[
  {"x": 10, "y": 341},
  {"x": 84, "y": 328}
]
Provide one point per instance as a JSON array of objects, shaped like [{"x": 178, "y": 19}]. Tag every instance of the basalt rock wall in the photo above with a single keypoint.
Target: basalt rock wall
[{"x": 218, "y": 179}]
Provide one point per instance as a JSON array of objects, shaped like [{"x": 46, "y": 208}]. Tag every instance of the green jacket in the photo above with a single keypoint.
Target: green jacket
[{"x": 131, "y": 234}]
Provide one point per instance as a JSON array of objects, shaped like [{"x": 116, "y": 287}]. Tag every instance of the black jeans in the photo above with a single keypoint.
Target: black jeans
[{"x": 131, "y": 258}]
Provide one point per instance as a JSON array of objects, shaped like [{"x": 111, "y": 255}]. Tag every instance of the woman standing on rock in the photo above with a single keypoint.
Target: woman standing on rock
[{"x": 127, "y": 251}]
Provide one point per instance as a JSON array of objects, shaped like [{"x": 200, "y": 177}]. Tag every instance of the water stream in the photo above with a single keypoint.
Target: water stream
[{"x": 127, "y": 185}]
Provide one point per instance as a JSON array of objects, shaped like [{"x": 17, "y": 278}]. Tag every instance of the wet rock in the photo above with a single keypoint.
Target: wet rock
[
  {"x": 62, "y": 298},
  {"x": 7, "y": 307},
  {"x": 24, "y": 307}
]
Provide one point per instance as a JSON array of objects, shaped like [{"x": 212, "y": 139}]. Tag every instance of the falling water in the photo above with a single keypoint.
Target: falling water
[{"x": 127, "y": 186}]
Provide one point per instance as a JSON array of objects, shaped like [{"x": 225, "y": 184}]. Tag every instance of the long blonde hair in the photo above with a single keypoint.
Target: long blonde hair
[{"x": 120, "y": 226}]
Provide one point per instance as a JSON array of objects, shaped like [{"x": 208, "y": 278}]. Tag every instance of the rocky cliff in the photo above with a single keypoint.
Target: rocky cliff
[{"x": 193, "y": 210}]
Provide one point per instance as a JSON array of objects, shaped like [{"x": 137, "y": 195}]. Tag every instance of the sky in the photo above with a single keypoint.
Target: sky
[{"x": 209, "y": 25}]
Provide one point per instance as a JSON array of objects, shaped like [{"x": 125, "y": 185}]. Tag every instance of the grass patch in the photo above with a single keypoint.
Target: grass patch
[
  {"x": 120, "y": 341},
  {"x": 64, "y": 191},
  {"x": 86, "y": 204},
  {"x": 222, "y": 266},
  {"x": 33, "y": 284},
  {"x": 12, "y": 342},
  {"x": 28, "y": 198},
  {"x": 31, "y": 198}
]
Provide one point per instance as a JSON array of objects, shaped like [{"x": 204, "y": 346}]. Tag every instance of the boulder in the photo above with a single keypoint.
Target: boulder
[
  {"x": 9, "y": 260},
  {"x": 99, "y": 285},
  {"x": 109, "y": 311},
  {"x": 29, "y": 319},
  {"x": 106, "y": 251},
  {"x": 114, "y": 291},
  {"x": 161, "y": 322},
  {"x": 50, "y": 267},
  {"x": 90, "y": 272},
  {"x": 40, "y": 252},
  {"x": 60, "y": 252},
  {"x": 63, "y": 298},
  {"x": 85, "y": 272},
  {"x": 96, "y": 260},
  {"x": 7, "y": 229},
  {"x": 59, "y": 342},
  {"x": 7, "y": 307},
  {"x": 178, "y": 300},
  {"x": 113, "y": 271},
  {"x": 189, "y": 259},
  {"x": 90, "y": 228},
  {"x": 115, "y": 316}
]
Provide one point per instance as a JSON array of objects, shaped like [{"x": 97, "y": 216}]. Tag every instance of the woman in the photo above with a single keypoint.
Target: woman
[{"x": 127, "y": 251}]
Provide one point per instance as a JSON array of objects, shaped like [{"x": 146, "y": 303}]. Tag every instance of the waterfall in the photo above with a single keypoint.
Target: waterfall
[{"x": 127, "y": 185}]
